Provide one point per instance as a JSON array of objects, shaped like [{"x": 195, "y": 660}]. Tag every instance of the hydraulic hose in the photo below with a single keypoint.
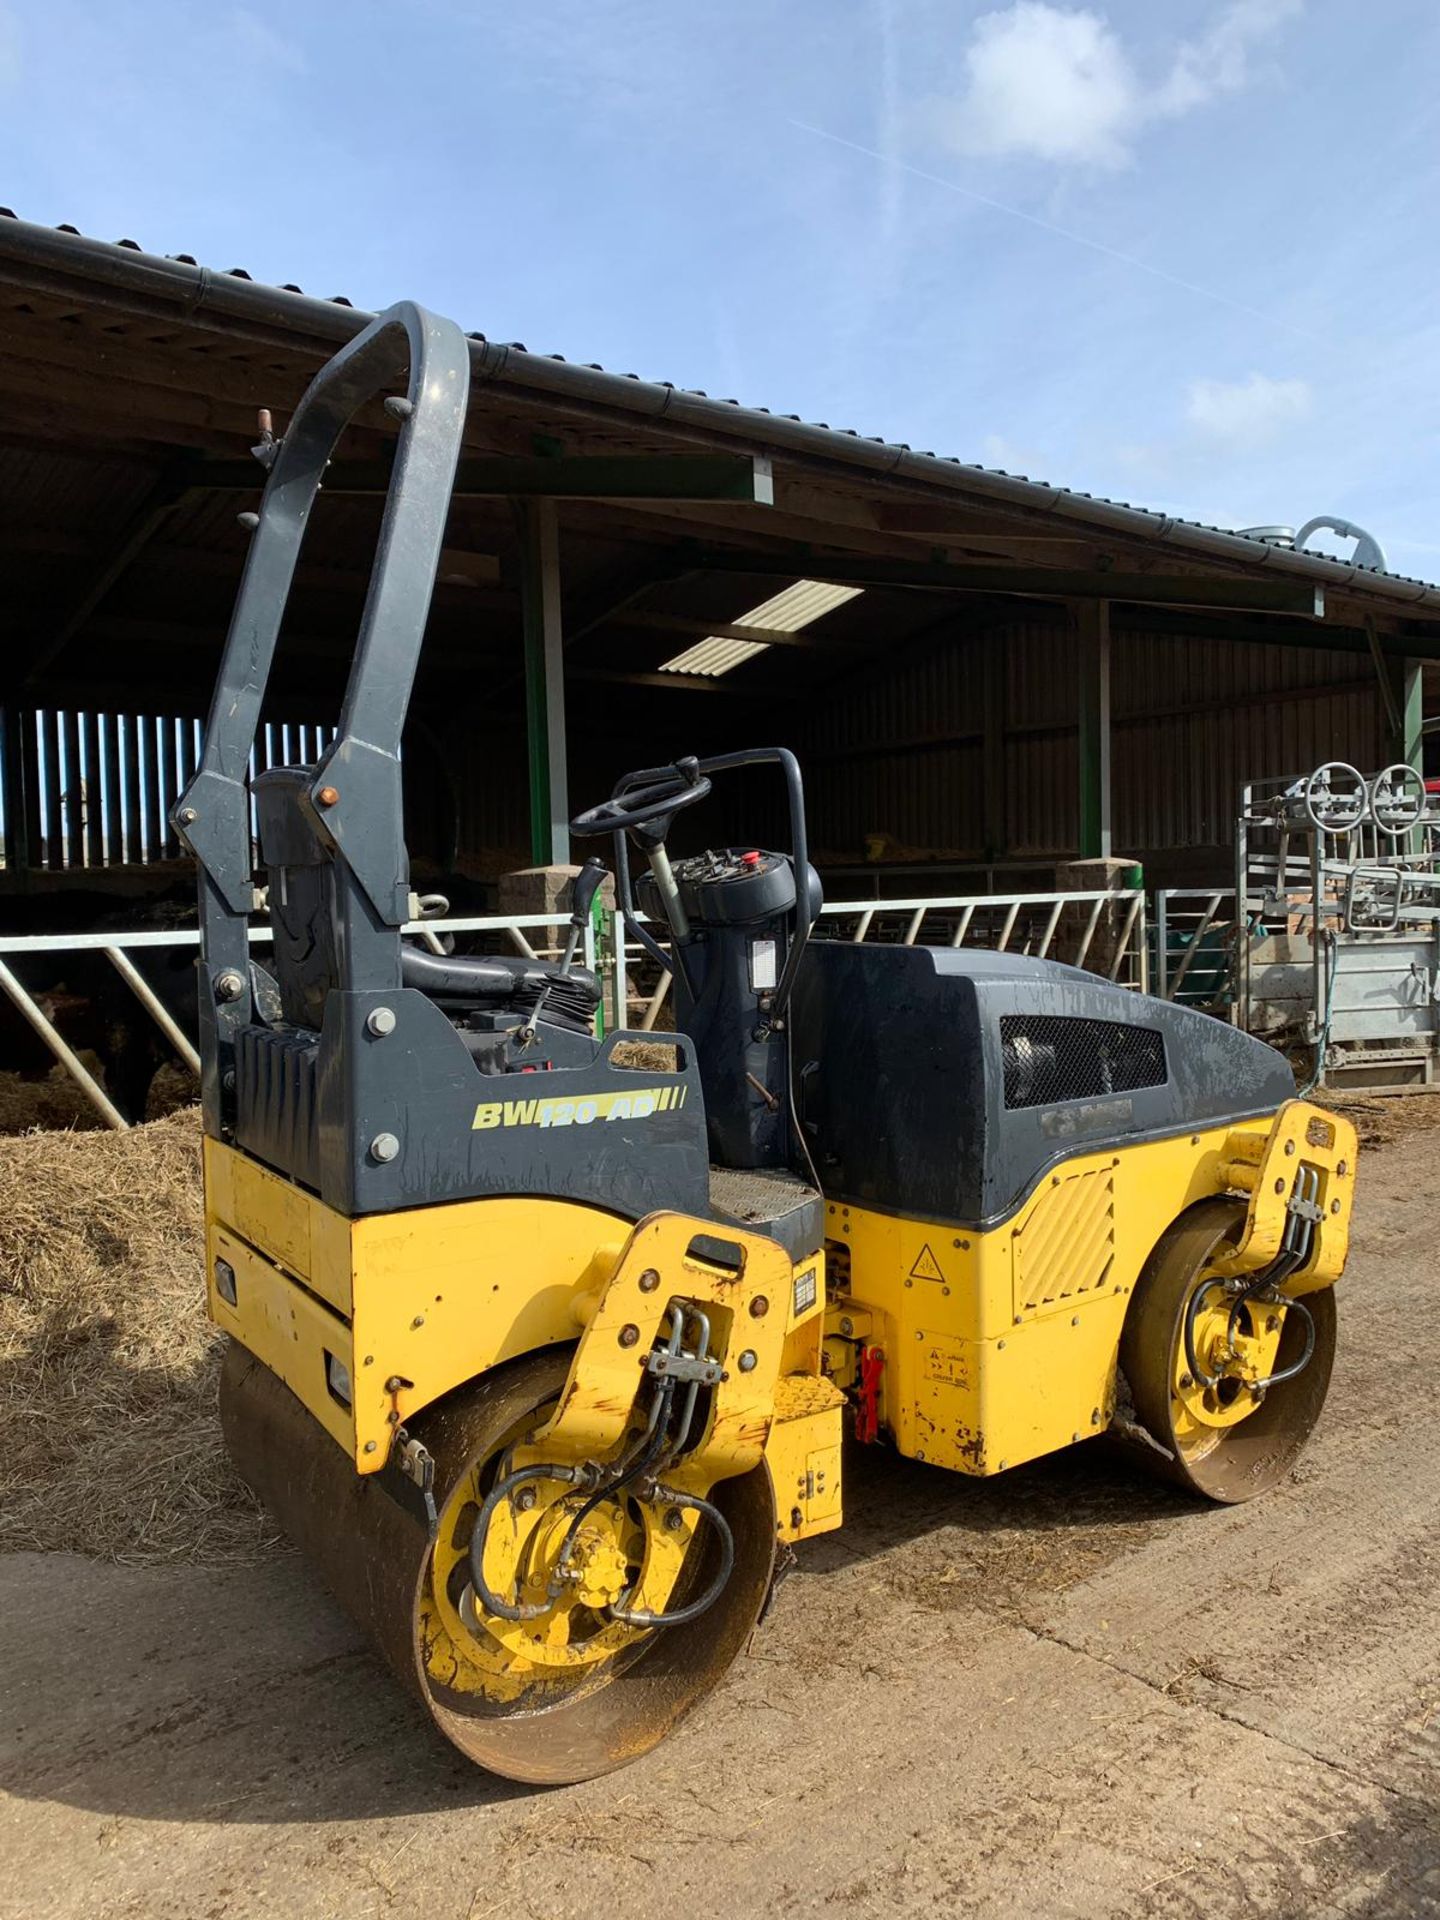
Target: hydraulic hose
[
  {"x": 1270, "y": 1279},
  {"x": 1296, "y": 1366},
  {"x": 502, "y": 1489},
  {"x": 681, "y": 1616},
  {"x": 652, "y": 1444}
]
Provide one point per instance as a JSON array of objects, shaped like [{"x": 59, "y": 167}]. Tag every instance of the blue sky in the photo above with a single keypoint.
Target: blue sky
[{"x": 1176, "y": 251}]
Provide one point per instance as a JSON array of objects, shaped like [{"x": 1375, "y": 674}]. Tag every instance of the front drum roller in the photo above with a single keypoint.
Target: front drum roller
[
  {"x": 1234, "y": 1438},
  {"x": 559, "y": 1699}
]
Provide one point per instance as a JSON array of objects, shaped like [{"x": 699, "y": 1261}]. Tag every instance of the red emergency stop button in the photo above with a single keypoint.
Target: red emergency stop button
[{"x": 749, "y": 859}]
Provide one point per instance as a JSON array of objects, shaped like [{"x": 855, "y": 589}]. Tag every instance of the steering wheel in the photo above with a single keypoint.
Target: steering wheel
[
  {"x": 1336, "y": 798},
  {"x": 1397, "y": 799},
  {"x": 641, "y": 799}
]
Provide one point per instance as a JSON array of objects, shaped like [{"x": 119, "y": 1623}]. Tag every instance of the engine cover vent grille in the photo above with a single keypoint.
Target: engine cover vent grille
[
  {"x": 1049, "y": 1058},
  {"x": 1067, "y": 1246}
]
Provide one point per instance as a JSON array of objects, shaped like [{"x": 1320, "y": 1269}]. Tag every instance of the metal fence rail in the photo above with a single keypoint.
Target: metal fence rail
[
  {"x": 1061, "y": 926},
  {"x": 1340, "y": 902},
  {"x": 1055, "y": 926},
  {"x": 117, "y": 948}
]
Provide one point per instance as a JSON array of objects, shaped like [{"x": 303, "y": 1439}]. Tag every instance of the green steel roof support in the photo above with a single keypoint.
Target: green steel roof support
[
  {"x": 1407, "y": 684},
  {"x": 1093, "y": 623},
  {"x": 544, "y": 683}
]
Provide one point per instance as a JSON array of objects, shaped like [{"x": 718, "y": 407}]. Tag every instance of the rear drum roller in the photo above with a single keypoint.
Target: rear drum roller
[
  {"x": 564, "y": 1694},
  {"x": 1228, "y": 1440}
]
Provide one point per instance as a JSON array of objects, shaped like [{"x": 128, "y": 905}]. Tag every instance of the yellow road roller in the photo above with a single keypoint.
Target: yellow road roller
[{"x": 544, "y": 1345}]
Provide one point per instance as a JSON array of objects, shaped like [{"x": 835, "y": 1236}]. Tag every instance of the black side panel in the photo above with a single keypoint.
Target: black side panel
[
  {"x": 745, "y": 1078},
  {"x": 275, "y": 1100},
  {"x": 942, "y": 1084},
  {"x": 405, "y": 1118},
  {"x": 301, "y": 874}
]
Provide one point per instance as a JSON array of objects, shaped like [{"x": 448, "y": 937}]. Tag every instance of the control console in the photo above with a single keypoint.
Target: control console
[
  {"x": 731, "y": 887},
  {"x": 737, "y": 924}
]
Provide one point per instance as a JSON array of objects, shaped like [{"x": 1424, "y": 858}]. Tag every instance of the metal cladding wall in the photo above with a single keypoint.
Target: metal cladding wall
[
  {"x": 1194, "y": 719},
  {"x": 1041, "y": 751},
  {"x": 901, "y": 753},
  {"x": 609, "y": 732},
  {"x": 895, "y": 758}
]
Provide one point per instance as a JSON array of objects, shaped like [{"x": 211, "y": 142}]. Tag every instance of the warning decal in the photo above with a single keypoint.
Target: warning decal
[
  {"x": 927, "y": 1267},
  {"x": 946, "y": 1364}
]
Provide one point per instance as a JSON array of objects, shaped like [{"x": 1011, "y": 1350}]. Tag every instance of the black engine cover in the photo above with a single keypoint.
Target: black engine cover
[{"x": 941, "y": 1083}]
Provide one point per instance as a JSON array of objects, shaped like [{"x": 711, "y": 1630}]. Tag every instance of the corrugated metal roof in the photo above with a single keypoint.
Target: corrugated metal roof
[{"x": 179, "y": 280}]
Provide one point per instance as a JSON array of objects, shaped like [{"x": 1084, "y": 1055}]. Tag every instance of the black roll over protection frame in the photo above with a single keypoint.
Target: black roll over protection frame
[{"x": 354, "y": 798}]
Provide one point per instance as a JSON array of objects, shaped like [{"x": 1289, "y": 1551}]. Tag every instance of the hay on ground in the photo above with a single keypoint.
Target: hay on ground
[
  {"x": 108, "y": 1365},
  {"x": 54, "y": 1100},
  {"x": 1380, "y": 1119}
]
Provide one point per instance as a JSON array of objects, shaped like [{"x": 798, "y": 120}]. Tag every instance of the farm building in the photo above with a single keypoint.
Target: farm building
[
  {"x": 990, "y": 684},
  {"x": 983, "y": 676}
]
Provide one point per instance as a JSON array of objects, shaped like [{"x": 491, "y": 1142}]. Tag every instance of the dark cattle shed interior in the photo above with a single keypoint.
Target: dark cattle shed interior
[{"x": 1020, "y": 674}]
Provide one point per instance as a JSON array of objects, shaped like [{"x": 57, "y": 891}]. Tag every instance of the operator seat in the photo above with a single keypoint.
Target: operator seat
[{"x": 301, "y": 870}]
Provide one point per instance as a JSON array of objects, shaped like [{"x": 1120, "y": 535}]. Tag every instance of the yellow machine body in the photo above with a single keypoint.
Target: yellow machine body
[
  {"x": 401, "y": 1309},
  {"x": 994, "y": 1347},
  {"x": 1000, "y": 1346},
  {"x": 541, "y": 1435}
]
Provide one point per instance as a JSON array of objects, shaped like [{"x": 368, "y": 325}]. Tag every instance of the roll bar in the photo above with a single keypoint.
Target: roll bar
[{"x": 356, "y": 788}]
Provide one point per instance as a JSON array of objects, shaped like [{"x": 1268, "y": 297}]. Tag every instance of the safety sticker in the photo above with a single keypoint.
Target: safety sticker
[
  {"x": 927, "y": 1267},
  {"x": 805, "y": 1291},
  {"x": 633, "y": 1104},
  {"x": 947, "y": 1364}
]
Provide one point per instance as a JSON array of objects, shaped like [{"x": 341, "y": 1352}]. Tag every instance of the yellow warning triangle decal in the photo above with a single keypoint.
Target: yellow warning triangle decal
[{"x": 927, "y": 1267}]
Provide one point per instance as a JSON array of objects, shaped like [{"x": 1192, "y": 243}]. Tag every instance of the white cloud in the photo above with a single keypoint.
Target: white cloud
[
  {"x": 1057, "y": 83},
  {"x": 1050, "y": 84},
  {"x": 1218, "y": 61},
  {"x": 1241, "y": 416}
]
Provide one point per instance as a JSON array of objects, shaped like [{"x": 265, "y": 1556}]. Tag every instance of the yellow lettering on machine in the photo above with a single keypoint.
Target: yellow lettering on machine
[{"x": 581, "y": 1111}]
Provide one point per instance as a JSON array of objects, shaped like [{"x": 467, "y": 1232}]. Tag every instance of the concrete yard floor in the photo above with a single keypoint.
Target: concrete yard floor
[{"x": 1067, "y": 1691}]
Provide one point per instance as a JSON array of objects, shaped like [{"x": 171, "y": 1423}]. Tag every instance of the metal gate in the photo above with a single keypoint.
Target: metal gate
[
  {"x": 1104, "y": 932},
  {"x": 1339, "y": 879}
]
